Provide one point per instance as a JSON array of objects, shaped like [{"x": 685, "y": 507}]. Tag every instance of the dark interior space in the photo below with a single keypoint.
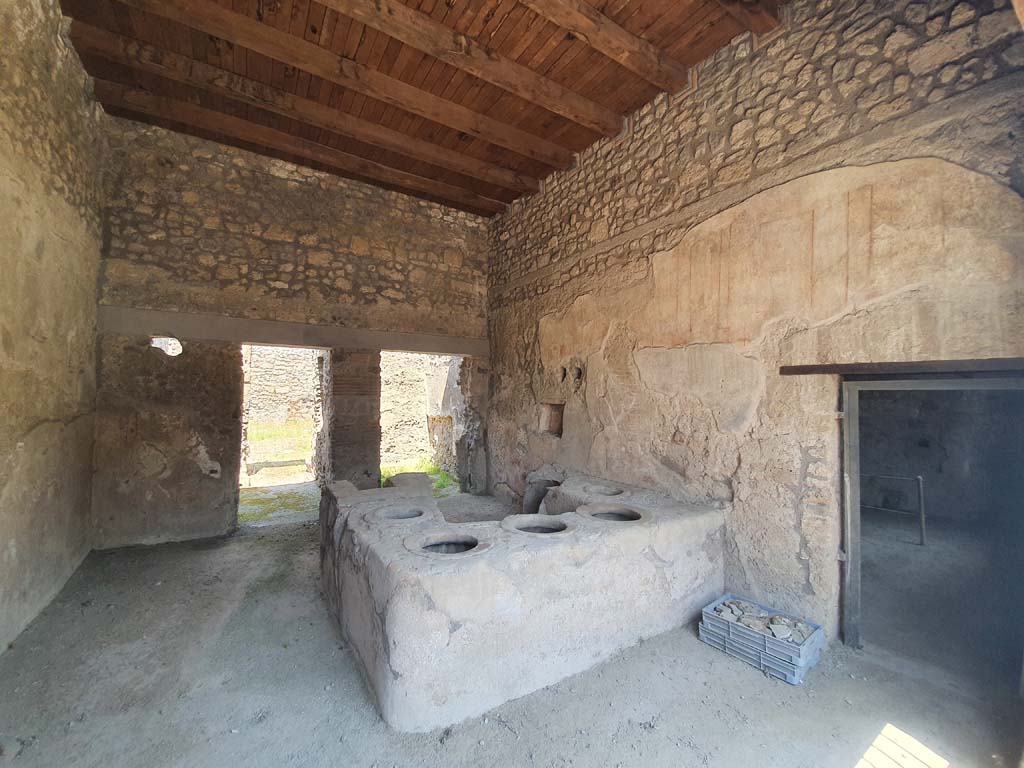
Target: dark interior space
[{"x": 955, "y": 601}]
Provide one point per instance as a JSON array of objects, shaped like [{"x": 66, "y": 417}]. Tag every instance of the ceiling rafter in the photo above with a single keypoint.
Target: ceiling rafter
[
  {"x": 164, "y": 108},
  {"x": 602, "y": 34},
  {"x": 759, "y": 16},
  {"x": 466, "y": 102},
  {"x": 157, "y": 61},
  {"x": 238, "y": 29},
  {"x": 435, "y": 39}
]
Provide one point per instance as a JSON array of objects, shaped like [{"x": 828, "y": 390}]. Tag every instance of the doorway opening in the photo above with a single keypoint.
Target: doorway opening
[
  {"x": 284, "y": 434},
  {"x": 934, "y": 525},
  {"x": 421, "y": 407}
]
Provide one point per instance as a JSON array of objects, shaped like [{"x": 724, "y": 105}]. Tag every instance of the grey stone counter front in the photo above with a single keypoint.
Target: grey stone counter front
[{"x": 451, "y": 620}]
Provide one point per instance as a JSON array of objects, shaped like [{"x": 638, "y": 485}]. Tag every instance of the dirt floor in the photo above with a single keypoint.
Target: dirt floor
[
  {"x": 221, "y": 653},
  {"x": 954, "y": 603}
]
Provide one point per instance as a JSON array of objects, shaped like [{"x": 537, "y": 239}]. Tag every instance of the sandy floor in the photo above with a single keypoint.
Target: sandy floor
[{"x": 221, "y": 654}]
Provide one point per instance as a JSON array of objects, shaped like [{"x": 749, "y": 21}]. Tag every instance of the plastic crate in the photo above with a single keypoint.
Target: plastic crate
[
  {"x": 796, "y": 654},
  {"x": 772, "y": 666}
]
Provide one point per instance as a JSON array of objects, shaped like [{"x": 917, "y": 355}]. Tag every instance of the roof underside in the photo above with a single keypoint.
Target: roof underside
[{"x": 465, "y": 102}]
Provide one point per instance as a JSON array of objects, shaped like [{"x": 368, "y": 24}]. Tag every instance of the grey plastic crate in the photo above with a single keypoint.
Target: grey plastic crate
[
  {"x": 798, "y": 654},
  {"x": 793, "y": 674}
]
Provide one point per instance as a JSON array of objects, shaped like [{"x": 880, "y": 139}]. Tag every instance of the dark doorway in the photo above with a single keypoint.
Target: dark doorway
[{"x": 944, "y": 588}]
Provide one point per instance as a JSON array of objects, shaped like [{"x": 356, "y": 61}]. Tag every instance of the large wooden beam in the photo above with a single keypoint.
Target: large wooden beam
[
  {"x": 163, "y": 108},
  {"x": 604, "y": 35},
  {"x": 423, "y": 33},
  {"x": 239, "y": 29},
  {"x": 147, "y": 58},
  {"x": 759, "y": 16}
]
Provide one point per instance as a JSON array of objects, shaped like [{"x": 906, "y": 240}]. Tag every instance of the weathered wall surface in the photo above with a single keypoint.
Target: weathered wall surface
[
  {"x": 404, "y": 439},
  {"x": 280, "y": 383},
  {"x": 50, "y": 148},
  {"x": 168, "y": 442},
  {"x": 196, "y": 226},
  {"x": 355, "y": 422},
  {"x": 967, "y": 445},
  {"x": 656, "y": 288}
]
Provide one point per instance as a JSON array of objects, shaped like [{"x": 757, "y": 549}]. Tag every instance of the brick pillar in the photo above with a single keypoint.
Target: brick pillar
[{"x": 355, "y": 434}]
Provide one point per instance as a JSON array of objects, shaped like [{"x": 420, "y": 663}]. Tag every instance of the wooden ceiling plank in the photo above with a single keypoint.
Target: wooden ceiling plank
[
  {"x": 137, "y": 100},
  {"x": 604, "y": 35},
  {"x": 141, "y": 56},
  {"x": 254, "y": 35},
  {"x": 759, "y": 16},
  {"x": 434, "y": 38}
]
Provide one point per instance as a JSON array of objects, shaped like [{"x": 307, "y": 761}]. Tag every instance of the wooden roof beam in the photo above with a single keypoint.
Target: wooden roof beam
[
  {"x": 238, "y": 29},
  {"x": 759, "y": 16},
  {"x": 435, "y": 39},
  {"x": 183, "y": 112},
  {"x": 147, "y": 58},
  {"x": 602, "y": 34}
]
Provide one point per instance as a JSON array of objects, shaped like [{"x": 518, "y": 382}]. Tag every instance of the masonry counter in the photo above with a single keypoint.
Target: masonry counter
[{"x": 449, "y": 620}]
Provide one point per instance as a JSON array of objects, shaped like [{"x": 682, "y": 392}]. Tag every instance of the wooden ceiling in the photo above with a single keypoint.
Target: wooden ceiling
[{"x": 466, "y": 102}]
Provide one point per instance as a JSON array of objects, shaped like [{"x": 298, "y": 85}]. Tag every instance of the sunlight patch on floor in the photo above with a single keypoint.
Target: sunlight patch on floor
[{"x": 893, "y": 748}]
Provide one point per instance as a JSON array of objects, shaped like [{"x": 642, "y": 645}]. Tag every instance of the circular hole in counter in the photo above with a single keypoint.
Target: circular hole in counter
[
  {"x": 450, "y": 544},
  {"x": 603, "y": 490},
  {"x": 534, "y": 526},
  {"x": 616, "y": 514},
  {"x": 401, "y": 514}
]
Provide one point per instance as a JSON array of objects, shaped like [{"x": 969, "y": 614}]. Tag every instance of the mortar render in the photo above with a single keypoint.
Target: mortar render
[
  {"x": 50, "y": 237},
  {"x": 445, "y": 637},
  {"x": 656, "y": 288},
  {"x": 168, "y": 442}
]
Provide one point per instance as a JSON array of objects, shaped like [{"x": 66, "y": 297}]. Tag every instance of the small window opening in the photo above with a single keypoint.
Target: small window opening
[
  {"x": 169, "y": 345},
  {"x": 551, "y": 418}
]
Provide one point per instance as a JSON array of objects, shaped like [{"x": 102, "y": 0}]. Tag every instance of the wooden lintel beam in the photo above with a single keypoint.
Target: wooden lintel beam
[
  {"x": 147, "y": 58},
  {"x": 435, "y": 39},
  {"x": 238, "y": 29},
  {"x": 163, "y": 108},
  {"x": 759, "y": 16},
  {"x": 602, "y": 34}
]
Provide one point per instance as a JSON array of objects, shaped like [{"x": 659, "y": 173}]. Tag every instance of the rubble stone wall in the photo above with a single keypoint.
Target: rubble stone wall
[
  {"x": 168, "y": 441},
  {"x": 51, "y": 149},
  {"x": 195, "y": 226},
  {"x": 280, "y": 383},
  {"x": 848, "y": 191}
]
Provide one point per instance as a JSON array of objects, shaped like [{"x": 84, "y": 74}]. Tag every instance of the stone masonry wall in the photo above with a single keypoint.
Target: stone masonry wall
[
  {"x": 168, "y": 441},
  {"x": 51, "y": 149},
  {"x": 280, "y": 382},
  {"x": 407, "y": 379},
  {"x": 355, "y": 408},
  {"x": 849, "y": 191},
  {"x": 200, "y": 227}
]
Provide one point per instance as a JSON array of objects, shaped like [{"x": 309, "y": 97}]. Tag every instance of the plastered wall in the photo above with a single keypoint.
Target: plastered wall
[
  {"x": 50, "y": 235},
  {"x": 168, "y": 441},
  {"x": 847, "y": 192}
]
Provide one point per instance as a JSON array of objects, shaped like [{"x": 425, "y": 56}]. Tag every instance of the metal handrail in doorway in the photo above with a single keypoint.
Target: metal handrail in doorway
[{"x": 920, "y": 500}]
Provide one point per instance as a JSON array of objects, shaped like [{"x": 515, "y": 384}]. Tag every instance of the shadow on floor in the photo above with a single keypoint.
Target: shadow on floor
[{"x": 954, "y": 603}]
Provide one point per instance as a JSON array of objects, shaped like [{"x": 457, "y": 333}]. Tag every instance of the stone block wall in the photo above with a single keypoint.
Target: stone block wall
[
  {"x": 355, "y": 427},
  {"x": 196, "y": 226},
  {"x": 168, "y": 441},
  {"x": 51, "y": 150},
  {"x": 779, "y": 213}
]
